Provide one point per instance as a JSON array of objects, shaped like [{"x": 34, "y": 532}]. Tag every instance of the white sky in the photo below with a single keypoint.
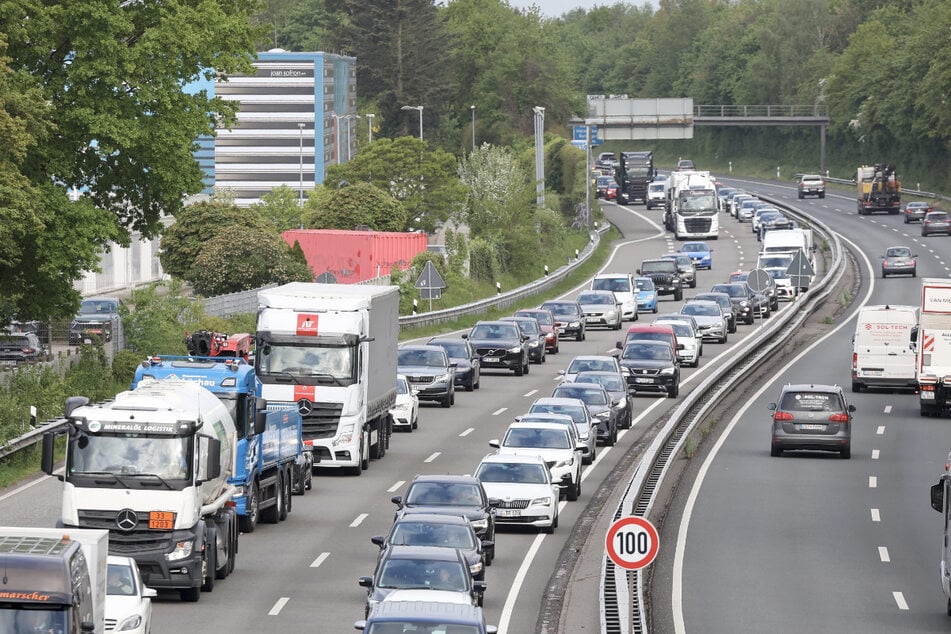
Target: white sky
[{"x": 557, "y": 8}]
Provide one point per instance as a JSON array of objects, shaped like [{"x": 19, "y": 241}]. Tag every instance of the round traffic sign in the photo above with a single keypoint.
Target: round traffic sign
[
  {"x": 759, "y": 280},
  {"x": 632, "y": 542}
]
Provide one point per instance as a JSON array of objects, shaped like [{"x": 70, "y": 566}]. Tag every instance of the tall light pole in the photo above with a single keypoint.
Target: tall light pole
[
  {"x": 336, "y": 119},
  {"x": 349, "y": 117},
  {"x": 300, "y": 200},
  {"x": 539, "y": 155},
  {"x": 370, "y": 127},
  {"x": 420, "y": 108},
  {"x": 472, "y": 108}
]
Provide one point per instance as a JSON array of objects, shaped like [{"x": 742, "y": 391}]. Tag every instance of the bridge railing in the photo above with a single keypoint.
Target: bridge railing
[{"x": 820, "y": 111}]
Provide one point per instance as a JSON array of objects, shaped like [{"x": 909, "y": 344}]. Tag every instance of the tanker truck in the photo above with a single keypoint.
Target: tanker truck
[
  {"x": 151, "y": 466},
  {"x": 878, "y": 189}
]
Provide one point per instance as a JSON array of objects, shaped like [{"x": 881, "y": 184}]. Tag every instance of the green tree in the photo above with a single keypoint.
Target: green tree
[
  {"x": 355, "y": 205},
  {"x": 281, "y": 207},
  {"x": 157, "y": 318},
  {"x": 244, "y": 258}
]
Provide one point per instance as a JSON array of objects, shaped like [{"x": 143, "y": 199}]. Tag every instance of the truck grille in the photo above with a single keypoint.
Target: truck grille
[
  {"x": 125, "y": 542},
  {"x": 322, "y": 420},
  {"x": 697, "y": 225}
]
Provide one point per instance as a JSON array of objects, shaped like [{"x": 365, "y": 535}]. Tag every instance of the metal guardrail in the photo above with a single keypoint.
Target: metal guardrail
[{"x": 627, "y": 586}]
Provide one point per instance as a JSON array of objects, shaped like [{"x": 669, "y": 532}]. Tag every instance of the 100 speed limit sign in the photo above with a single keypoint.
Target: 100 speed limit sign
[{"x": 632, "y": 542}]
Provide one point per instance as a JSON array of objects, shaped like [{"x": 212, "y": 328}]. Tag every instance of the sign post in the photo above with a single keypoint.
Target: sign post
[
  {"x": 632, "y": 543},
  {"x": 430, "y": 284}
]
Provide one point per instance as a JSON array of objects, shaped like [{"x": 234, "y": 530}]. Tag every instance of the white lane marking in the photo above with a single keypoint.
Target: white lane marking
[
  {"x": 887, "y": 410},
  {"x": 433, "y": 457},
  {"x": 509, "y": 606},
  {"x": 876, "y": 515},
  {"x": 559, "y": 377},
  {"x": 278, "y": 606},
  {"x": 33, "y": 483},
  {"x": 469, "y": 431},
  {"x": 396, "y": 486},
  {"x": 359, "y": 520},
  {"x": 900, "y": 600},
  {"x": 321, "y": 558},
  {"x": 499, "y": 411},
  {"x": 526, "y": 395},
  {"x": 681, "y": 543},
  {"x": 883, "y": 554},
  {"x": 880, "y": 431},
  {"x": 872, "y": 482},
  {"x": 875, "y": 453}
]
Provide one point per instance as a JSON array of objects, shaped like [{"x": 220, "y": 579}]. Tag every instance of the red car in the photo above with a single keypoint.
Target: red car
[{"x": 546, "y": 321}]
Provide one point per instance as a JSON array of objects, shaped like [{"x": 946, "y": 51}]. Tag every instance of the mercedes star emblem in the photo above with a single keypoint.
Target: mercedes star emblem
[
  {"x": 304, "y": 407},
  {"x": 126, "y": 519}
]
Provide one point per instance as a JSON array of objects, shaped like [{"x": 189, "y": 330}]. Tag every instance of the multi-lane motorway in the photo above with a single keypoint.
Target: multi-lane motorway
[{"x": 789, "y": 544}]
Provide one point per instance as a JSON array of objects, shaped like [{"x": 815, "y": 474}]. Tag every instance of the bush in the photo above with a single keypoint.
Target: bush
[{"x": 483, "y": 260}]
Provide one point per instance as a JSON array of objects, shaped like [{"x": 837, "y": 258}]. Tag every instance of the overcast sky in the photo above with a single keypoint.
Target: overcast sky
[{"x": 557, "y": 8}]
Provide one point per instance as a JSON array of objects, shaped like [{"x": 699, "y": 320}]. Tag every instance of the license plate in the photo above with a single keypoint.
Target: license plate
[
  {"x": 927, "y": 396},
  {"x": 873, "y": 372},
  {"x": 561, "y": 331},
  {"x": 490, "y": 359},
  {"x": 810, "y": 427},
  {"x": 642, "y": 380},
  {"x": 508, "y": 512}
]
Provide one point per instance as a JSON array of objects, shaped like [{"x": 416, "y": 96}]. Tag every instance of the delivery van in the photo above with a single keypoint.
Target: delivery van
[{"x": 883, "y": 348}]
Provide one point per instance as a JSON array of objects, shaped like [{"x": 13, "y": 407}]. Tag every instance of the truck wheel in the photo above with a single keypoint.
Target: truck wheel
[
  {"x": 272, "y": 514},
  {"x": 288, "y": 494},
  {"x": 365, "y": 451},
  {"x": 249, "y": 521},
  {"x": 210, "y": 566},
  {"x": 191, "y": 595}
]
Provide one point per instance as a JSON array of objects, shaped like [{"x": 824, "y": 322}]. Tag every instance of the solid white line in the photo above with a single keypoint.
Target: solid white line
[
  {"x": 875, "y": 454},
  {"x": 469, "y": 431},
  {"x": 900, "y": 600},
  {"x": 509, "y": 606},
  {"x": 883, "y": 554},
  {"x": 278, "y": 606},
  {"x": 396, "y": 486},
  {"x": 872, "y": 482},
  {"x": 320, "y": 559},
  {"x": 499, "y": 411},
  {"x": 359, "y": 520},
  {"x": 876, "y": 515},
  {"x": 887, "y": 410},
  {"x": 433, "y": 457},
  {"x": 526, "y": 395},
  {"x": 22, "y": 488},
  {"x": 681, "y": 544},
  {"x": 880, "y": 431}
]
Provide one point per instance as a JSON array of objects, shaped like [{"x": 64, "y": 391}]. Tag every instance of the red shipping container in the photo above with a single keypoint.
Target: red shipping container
[{"x": 355, "y": 256}]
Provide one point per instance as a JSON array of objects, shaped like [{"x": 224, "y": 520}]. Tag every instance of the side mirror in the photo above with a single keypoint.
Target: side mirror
[
  {"x": 260, "y": 420},
  {"x": 49, "y": 450},
  {"x": 937, "y": 496},
  {"x": 73, "y": 403},
  {"x": 479, "y": 586},
  {"x": 465, "y": 335},
  {"x": 213, "y": 459},
  {"x": 365, "y": 582},
  {"x": 851, "y": 408},
  {"x": 397, "y": 500},
  {"x": 378, "y": 540},
  {"x": 771, "y": 407},
  {"x": 149, "y": 593},
  {"x": 487, "y": 544},
  {"x": 494, "y": 443}
]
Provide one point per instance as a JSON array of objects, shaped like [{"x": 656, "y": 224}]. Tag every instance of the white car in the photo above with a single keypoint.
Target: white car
[
  {"x": 655, "y": 195},
  {"x": 405, "y": 411},
  {"x": 128, "y": 600},
  {"x": 687, "y": 336},
  {"x": 624, "y": 289},
  {"x": 586, "y": 425},
  {"x": 551, "y": 442},
  {"x": 521, "y": 489},
  {"x": 591, "y": 363}
]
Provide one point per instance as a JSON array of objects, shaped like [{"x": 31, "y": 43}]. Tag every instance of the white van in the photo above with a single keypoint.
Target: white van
[{"x": 883, "y": 349}]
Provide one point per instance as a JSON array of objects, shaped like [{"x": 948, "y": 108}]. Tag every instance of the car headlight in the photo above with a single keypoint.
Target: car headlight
[
  {"x": 131, "y": 623},
  {"x": 515, "y": 350},
  {"x": 533, "y": 344},
  {"x": 479, "y": 525},
  {"x": 546, "y": 501},
  {"x": 182, "y": 550},
  {"x": 611, "y": 314},
  {"x": 475, "y": 568},
  {"x": 575, "y": 324},
  {"x": 676, "y": 278},
  {"x": 744, "y": 303},
  {"x": 667, "y": 371},
  {"x": 238, "y": 492},
  {"x": 345, "y": 437},
  {"x": 603, "y": 415},
  {"x": 622, "y": 403},
  {"x": 550, "y": 336},
  {"x": 565, "y": 463},
  {"x": 443, "y": 378}
]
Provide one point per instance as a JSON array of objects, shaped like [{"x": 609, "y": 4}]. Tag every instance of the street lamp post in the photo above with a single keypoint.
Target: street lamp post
[
  {"x": 348, "y": 118},
  {"x": 300, "y": 200},
  {"x": 539, "y": 155},
  {"x": 336, "y": 119},
  {"x": 472, "y": 108},
  {"x": 420, "y": 109},
  {"x": 370, "y": 127}
]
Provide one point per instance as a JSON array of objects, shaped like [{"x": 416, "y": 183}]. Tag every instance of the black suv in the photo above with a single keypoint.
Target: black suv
[
  {"x": 812, "y": 417},
  {"x": 20, "y": 347},
  {"x": 500, "y": 344},
  {"x": 98, "y": 316},
  {"x": 750, "y": 304},
  {"x": 653, "y": 367},
  {"x": 468, "y": 364},
  {"x": 666, "y": 276},
  {"x": 569, "y": 318},
  {"x": 451, "y": 495},
  {"x": 536, "y": 338}
]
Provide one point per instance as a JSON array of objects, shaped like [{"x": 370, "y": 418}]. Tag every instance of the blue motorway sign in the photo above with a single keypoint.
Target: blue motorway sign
[{"x": 579, "y": 135}]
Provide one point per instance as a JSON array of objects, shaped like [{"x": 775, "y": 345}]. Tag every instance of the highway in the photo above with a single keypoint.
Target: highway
[
  {"x": 809, "y": 542},
  {"x": 303, "y": 573}
]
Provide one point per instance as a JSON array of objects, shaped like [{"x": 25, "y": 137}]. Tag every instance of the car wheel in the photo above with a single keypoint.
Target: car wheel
[
  {"x": 856, "y": 387},
  {"x": 775, "y": 451},
  {"x": 415, "y": 423},
  {"x": 446, "y": 401},
  {"x": 612, "y": 439},
  {"x": 749, "y": 320},
  {"x": 822, "y": 195},
  {"x": 555, "y": 350},
  {"x": 655, "y": 309},
  {"x": 571, "y": 493},
  {"x": 884, "y": 274},
  {"x": 520, "y": 370},
  {"x": 693, "y": 283},
  {"x": 582, "y": 336},
  {"x": 723, "y": 338},
  {"x": 674, "y": 392},
  {"x": 847, "y": 452},
  {"x": 527, "y": 367},
  {"x": 471, "y": 384},
  {"x": 678, "y": 295},
  {"x": 907, "y": 222}
]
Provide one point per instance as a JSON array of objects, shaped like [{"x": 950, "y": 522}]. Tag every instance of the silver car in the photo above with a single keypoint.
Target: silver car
[
  {"x": 713, "y": 324},
  {"x": 601, "y": 308},
  {"x": 812, "y": 417}
]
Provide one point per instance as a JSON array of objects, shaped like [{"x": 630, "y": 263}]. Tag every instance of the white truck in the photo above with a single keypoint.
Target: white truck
[
  {"x": 692, "y": 205},
  {"x": 152, "y": 466},
  {"x": 330, "y": 351},
  {"x": 941, "y": 502},
  {"x": 934, "y": 346},
  {"x": 53, "y": 580},
  {"x": 883, "y": 348}
]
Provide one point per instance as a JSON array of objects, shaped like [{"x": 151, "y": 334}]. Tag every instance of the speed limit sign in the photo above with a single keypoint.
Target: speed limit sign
[{"x": 632, "y": 542}]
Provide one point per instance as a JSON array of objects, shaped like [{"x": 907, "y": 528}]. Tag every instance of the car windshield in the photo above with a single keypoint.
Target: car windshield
[
  {"x": 494, "y": 331},
  {"x": 610, "y": 382},
  {"x": 527, "y": 326},
  {"x": 681, "y": 329},
  {"x": 444, "y": 494},
  {"x": 542, "y": 317},
  {"x": 513, "y": 471},
  {"x": 131, "y": 455},
  {"x": 97, "y": 307},
  {"x": 120, "y": 581},
  {"x": 778, "y": 274},
  {"x": 536, "y": 437},
  {"x": 596, "y": 298},
  {"x": 773, "y": 262},
  {"x": 402, "y": 386},
  {"x": 695, "y": 247},
  {"x": 649, "y": 336},
  {"x": 733, "y": 290},
  {"x": 659, "y": 267},
  {"x": 811, "y": 402},
  {"x": 770, "y": 216},
  {"x": 419, "y": 626},
  {"x": 591, "y": 365},
  {"x": 576, "y": 413},
  {"x": 562, "y": 309},
  {"x": 898, "y": 252},
  {"x": 646, "y": 351},
  {"x": 423, "y": 573},
  {"x": 644, "y": 284},
  {"x": 590, "y": 397},
  {"x": 425, "y": 358},
  {"x": 452, "y": 348},
  {"x": 613, "y": 284},
  {"x": 427, "y": 534},
  {"x": 695, "y": 308}
]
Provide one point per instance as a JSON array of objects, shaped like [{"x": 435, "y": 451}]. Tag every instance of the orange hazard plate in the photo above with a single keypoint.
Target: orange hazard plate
[{"x": 161, "y": 520}]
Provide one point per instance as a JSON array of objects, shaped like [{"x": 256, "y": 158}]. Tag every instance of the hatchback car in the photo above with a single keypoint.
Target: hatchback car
[
  {"x": 429, "y": 371},
  {"x": 578, "y": 411},
  {"x": 729, "y": 309},
  {"x": 653, "y": 367},
  {"x": 606, "y": 188},
  {"x": 128, "y": 600},
  {"x": 899, "y": 261},
  {"x": 624, "y": 289},
  {"x": 689, "y": 339},
  {"x": 709, "y": 317},
  {"x": 405, "y": 411},
  {"x": 438, "y": 530},
  {"x": 601, "y": 308},
  {"x": 421, "y": 567},
  {"x": 599, "y": 404},
  {"x": 569, "y": 318},
  {"x": 935, "y": 222},
  {"x": 685, "y": 164},
  {"x": 20, "y": 347},
  {"x": 699, "y": 252},
  {"x": 591, "y": 363},
  {"x": 916, "y": 211},
  {"x": 468, "y": 363},
  {"x": 453, "y": 495},
  {"x": 536, "y": 338},
  {"x": 616, "y": 387},
  {"x": 812, "y": 417},
  {"x": 646, "y": 294},
  {"x": 750, "y": 304},
  {"x": 546, "y": 321},
  {"x": 500, "y": 344},
  {"x": 523, "y": 490}
]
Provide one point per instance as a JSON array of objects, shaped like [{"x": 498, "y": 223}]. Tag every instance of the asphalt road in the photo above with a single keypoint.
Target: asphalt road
[
  {"x": 809, "y": 542},
  {"x": 301, "y": 575}
]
